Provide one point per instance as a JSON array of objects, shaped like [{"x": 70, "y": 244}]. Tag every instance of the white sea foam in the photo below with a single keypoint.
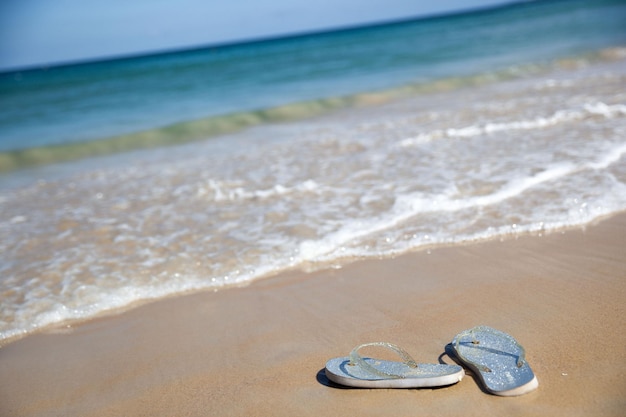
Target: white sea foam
[
  {"x": 611, "y": 157},
  {"x": 221, "y": 191},
  {"x": 560, "y": 116},
  {"x": 412, "y": 205},
  {"x": 606, "y": 110},
  {"x": 344, "y": 186}
]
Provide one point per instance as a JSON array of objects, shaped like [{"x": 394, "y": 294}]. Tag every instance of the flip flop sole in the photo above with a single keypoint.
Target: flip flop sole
[
  {"x": 340, "y": 371},
  {"x": 497, "y": 359}
]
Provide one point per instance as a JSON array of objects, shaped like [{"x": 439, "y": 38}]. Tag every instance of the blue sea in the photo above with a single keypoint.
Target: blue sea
[{"x": 134, "y": 179}]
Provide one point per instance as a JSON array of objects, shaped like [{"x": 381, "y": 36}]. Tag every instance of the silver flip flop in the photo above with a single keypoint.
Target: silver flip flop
[
  {"x": 498, "y": 360},
  {"x": 357, "y": 371}
]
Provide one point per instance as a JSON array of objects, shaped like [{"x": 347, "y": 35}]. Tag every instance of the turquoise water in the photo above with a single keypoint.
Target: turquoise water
[
  {"x": 304, "y": 153},
  {"x": 155, "y": 97}
]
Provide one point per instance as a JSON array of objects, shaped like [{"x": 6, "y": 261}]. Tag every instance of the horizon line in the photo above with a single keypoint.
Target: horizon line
[{"x": 260, "y": 39}]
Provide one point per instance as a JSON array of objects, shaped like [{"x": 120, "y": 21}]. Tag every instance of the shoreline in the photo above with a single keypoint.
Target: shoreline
[
  {"x": 261, "y": 349},
  {"x": 211, "y": 126},
  {"x": 67, "y": 326}
]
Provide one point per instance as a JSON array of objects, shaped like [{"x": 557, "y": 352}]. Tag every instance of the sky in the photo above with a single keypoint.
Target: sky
[{"x": 48, "y": 32}]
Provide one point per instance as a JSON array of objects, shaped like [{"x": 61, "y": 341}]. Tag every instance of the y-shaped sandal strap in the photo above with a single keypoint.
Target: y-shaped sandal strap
[
  {"x": 356, "y": 359},
  {"x": 521, "y": 358}
]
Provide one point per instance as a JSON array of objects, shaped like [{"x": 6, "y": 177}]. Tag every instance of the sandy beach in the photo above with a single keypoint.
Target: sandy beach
[
  {"x": 198, "y": 229},
  {"x": 261, "y": 349}
]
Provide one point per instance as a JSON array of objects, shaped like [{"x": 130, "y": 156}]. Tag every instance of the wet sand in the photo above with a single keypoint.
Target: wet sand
[{"x": 260, "y": 350}]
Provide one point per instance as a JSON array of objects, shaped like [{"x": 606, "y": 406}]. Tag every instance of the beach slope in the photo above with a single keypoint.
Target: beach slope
[{"x": 261, "y": 350}]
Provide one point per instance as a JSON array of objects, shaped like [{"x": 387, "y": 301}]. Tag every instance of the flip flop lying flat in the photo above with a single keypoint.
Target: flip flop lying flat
[
  {"x": 357, "y": 371},
  {"x": 498, "y": 360}
]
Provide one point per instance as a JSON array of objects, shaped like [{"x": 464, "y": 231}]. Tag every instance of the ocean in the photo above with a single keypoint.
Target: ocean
[{"x": 134, "y": 179}]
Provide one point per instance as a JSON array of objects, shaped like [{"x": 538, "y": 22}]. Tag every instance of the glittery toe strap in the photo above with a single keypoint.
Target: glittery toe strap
[
  {"x": 521, "y": 358},
  {"x": 356, "y": 359}
]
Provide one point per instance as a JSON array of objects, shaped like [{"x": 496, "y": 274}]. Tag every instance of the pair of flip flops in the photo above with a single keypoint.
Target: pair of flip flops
[{"x": 494, "y": 356}]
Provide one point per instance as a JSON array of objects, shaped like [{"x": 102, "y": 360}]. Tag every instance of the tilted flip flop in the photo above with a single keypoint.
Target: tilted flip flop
[
  {"x": 357, "y": 371},
  {"x": 498, "y": 360}
]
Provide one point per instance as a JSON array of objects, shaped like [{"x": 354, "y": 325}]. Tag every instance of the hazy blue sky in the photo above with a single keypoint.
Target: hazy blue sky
[{"x": 40, "y": 32}]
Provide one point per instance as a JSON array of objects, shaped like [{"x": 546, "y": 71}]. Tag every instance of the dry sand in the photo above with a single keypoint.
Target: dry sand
[{"x": 260, "y": 350}]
